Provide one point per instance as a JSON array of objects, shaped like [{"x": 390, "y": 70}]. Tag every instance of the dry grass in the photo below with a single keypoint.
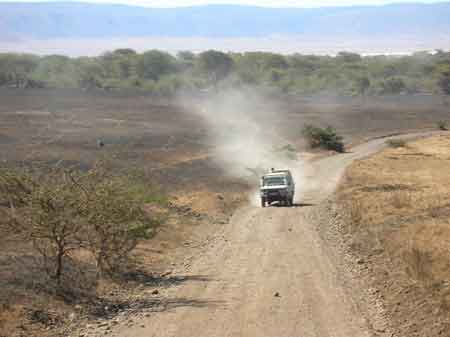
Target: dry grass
[
  {"x": 401, "y": 199},
  {"x": 403, "y": 194},
  {"x": 397, "y": 207},
  {"x": 355, "y": 213},
  {"x": 419, "y": 264}
]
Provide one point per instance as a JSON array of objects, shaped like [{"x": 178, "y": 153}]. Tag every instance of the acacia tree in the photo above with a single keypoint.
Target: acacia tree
[
  {"x": 90, "y": 72},
  {"x": 115, "y": 218},
  {"x": 154, "y": 64},
  {"x": 326, "y": 138},
  {"x": 45, "y": 214},
  {"x": 17, "y": 68},
  {"x": 64, "y": 211},
  {"x": 215, "y": 64},
  {"x": 392, "y": 85},
  {"x": 361, "y": 85},
  {"x": 120, "y": 64}
]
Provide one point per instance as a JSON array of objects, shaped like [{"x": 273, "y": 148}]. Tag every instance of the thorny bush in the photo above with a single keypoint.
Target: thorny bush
[
  {"x": 326, "y": 138},
  {"x": 63, "y": 212}
]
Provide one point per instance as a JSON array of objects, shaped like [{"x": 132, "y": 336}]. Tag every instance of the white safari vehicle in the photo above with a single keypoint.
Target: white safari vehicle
[{"x": 278, "y": 185}]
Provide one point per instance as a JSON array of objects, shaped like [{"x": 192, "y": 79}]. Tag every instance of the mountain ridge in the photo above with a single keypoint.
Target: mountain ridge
[{"x": 49, "y": 20}]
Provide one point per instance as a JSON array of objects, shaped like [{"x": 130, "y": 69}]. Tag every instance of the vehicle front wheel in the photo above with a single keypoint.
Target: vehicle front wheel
[
  {"x": 286, "y": 202},
  {"x": 263, "y": 202}
]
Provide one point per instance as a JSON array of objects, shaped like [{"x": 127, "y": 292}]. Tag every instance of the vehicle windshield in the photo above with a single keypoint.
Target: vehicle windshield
[{"x": 274, "y": 181}]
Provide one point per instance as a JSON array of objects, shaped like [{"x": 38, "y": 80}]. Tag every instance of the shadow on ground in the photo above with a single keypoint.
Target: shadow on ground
[
  {"x": 276, "y": 204},
  {"x": 152, "y": 280},
  {"x": 153, "y": 304},
  {"x": 152, "y": 301}
]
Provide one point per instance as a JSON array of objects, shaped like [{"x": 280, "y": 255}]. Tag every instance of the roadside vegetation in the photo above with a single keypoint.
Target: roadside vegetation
[
  {"x": 325, "y": 138},
  {"x": 61, "y": 213},
  {"x": 160, "y": 73},
  {"x": 396, "y": 210}
]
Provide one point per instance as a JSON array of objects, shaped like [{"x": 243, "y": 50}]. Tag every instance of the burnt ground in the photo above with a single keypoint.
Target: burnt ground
[{"x": 172, "y": 145}]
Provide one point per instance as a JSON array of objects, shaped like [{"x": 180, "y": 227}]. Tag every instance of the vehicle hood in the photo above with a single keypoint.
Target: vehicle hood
[{"x": 271, "y": 188}]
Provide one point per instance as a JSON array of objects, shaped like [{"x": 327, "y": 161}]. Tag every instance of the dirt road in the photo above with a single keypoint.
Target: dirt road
[{"x": 268, "y": 273}]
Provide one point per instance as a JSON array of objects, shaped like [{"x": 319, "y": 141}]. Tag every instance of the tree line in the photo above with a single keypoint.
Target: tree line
[{"x": 164, "y": 74}]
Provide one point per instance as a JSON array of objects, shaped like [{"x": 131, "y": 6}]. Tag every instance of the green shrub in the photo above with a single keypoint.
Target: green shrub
[
  {"x": 347, "y": 73},
  {"x": 393, "y": 85},
  {"x": 325, "y": 138}
]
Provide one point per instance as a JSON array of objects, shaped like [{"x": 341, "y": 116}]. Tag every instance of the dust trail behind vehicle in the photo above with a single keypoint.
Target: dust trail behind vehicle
[{"x": 245, "y": 139}]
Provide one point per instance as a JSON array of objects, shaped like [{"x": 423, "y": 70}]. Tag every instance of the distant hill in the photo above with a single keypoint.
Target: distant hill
[{"x": 81, "y": 20}]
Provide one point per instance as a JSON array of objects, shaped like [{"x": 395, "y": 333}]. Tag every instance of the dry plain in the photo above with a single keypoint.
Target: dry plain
[{"x": 177, "y": 148}]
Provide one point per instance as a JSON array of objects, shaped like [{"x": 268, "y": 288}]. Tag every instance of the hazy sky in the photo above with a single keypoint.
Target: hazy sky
[{"x": 271, "y": 3}]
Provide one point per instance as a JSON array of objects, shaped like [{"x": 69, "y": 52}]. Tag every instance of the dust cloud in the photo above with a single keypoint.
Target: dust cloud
[{"x": 246, "y": 138}]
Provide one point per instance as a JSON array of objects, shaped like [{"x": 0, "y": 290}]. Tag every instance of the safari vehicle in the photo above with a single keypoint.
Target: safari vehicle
[{"x": 278, "y": 185}]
